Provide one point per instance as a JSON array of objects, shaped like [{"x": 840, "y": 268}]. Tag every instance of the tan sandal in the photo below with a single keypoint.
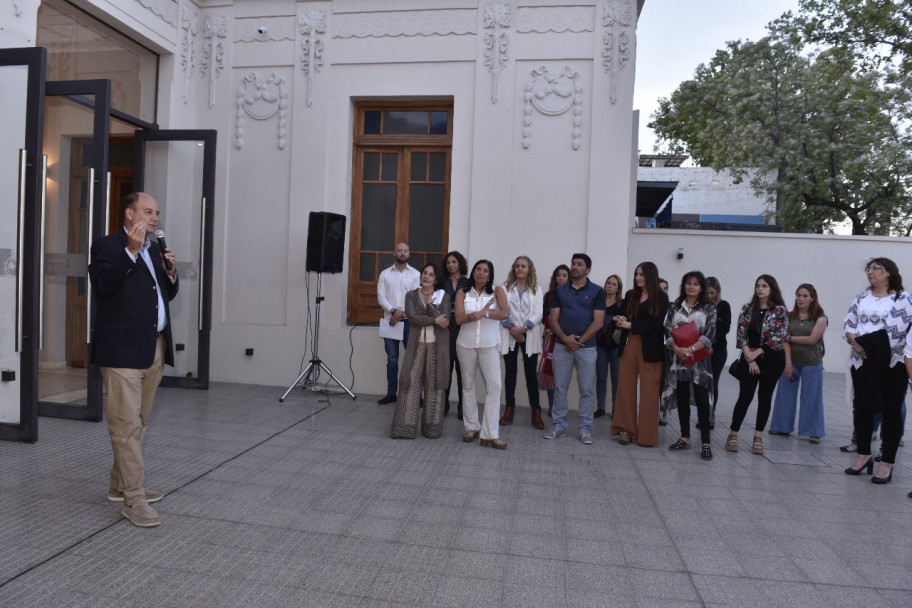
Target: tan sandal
[
  {"x": 757, "y": 447},
  {"x": 470, "y": 436},
  {"x": 731, "y": 444}
]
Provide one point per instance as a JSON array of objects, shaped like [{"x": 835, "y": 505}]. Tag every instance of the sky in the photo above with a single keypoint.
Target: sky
[{"x": 675, "y": 36}]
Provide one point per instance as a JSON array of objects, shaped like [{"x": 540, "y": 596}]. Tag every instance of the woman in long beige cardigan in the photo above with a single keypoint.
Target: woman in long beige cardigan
[{"x": 426, "y": 365}]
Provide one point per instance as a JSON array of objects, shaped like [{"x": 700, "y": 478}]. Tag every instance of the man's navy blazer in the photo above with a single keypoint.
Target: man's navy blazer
[{"x": 126, "y": 305}]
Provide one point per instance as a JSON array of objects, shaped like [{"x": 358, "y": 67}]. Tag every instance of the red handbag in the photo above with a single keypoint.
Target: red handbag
[{"x": 687, "y": 335}]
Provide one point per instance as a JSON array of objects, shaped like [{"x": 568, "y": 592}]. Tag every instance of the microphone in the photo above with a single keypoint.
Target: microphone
[{"x": 160, "y": 237}]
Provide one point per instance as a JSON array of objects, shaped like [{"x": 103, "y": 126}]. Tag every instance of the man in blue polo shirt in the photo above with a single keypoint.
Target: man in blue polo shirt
[{"x": 577, "y": 313}]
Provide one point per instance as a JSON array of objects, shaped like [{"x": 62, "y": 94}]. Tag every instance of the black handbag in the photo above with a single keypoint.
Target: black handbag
[{"x": 735, "y": 368}]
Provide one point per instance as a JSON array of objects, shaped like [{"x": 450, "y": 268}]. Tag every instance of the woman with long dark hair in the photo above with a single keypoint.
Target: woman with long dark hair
[
  {"x": 720, "y": 342},
  {"x": 763, "y": 331},
  {"x": 545, "y": 374},
  {"x": 875, "y": 326},
  {"x": 480, "y": 307},
  {"x": 456, "y": 270},
  {"x": 606, "y": 349},
  {"x": 427, "y": 359},
  {"x": 521, "y": 333},
  {"x": 642, "y": 352},
  {"x": 683, "y": 372},
  {"x": 806, "y": 326}
]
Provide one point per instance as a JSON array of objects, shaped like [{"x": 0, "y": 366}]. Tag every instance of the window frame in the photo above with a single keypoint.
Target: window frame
[{"x": 362, "y": 307}]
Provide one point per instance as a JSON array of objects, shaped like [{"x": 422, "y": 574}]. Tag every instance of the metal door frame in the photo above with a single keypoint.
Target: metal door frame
[
  {"x": 208, "y": 137},
  {"x": 32, "y": 191}
]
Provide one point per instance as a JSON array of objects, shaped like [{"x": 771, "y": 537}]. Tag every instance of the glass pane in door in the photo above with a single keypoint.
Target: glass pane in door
[
  {"x": 173, "y": 175},
  {"x": 14, "y": 83},
  {"x": 68, "y": 143}
]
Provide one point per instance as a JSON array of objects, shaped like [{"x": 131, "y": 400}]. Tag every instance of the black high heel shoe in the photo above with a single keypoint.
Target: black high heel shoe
[
  {"x": 867, "y": 467},
  {"x": 883, "y": 480}
]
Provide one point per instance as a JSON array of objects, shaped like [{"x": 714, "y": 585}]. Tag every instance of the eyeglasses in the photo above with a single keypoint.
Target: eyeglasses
[{"x": 874, "y": 268}]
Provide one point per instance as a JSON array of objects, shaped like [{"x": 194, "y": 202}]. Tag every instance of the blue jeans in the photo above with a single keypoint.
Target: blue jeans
[
  {"x": 808, "y": 380},
  {"x": 563, "y": 363},
  {"x": 606, "y": 358},
  {"x": 392, "y": 359}
]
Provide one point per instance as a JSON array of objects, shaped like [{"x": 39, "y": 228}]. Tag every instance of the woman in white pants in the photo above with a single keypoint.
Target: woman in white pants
[{"x": 480, "y": 307}]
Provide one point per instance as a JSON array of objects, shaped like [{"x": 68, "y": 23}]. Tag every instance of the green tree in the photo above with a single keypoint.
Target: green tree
[
  {"x": 814, "y": 133},
  {"x": 878, "y": 30}
]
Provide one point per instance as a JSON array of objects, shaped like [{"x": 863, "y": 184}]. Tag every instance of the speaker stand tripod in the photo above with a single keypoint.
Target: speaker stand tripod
[{"x": 312, "y": 371}]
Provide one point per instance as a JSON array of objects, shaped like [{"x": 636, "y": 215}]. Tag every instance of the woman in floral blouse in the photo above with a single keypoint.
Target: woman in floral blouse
[{"x": 763, "y": 330}]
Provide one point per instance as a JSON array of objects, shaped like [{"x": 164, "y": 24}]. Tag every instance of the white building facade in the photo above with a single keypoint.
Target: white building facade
[{"x": 494, "y": 128}]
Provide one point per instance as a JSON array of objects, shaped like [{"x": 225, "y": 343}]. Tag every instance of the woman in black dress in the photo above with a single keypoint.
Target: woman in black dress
[{"x": 456, "y": 269}]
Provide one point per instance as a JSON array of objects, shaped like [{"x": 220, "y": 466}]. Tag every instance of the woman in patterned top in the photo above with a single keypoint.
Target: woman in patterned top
[
  {"x": 876, "y": 326},
  {"x": 691, "y": 306},
  {"x": 763, "y": 331}
]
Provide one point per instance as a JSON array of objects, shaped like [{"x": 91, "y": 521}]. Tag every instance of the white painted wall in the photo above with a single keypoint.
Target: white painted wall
[
  {"x": 833, "y": 264},
  {"x": 546, "y": 200}
]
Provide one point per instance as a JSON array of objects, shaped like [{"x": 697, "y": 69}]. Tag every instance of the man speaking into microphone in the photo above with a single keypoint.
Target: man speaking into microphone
[{"x": 133, "y": 279}]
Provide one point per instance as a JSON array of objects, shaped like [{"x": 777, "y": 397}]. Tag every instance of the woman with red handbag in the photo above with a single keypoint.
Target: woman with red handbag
[{"x": 691, "y": 327}]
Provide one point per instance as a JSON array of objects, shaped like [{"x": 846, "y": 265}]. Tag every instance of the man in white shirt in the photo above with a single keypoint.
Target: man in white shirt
[{"x": 393, "y": 284}]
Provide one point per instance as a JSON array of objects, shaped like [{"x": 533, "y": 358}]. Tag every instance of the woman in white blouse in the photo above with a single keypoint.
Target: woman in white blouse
[
  {"x": 521, "y": 332},
  {"x": 875, "y": 326},
  {"x": 480, "y": 307}
]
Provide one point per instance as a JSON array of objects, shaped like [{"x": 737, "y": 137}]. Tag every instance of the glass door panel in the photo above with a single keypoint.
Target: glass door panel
[
  {"x": 77, "y": 126},
  {"x": 178, "y": 169},
  {"x": 21, "y": 192}
]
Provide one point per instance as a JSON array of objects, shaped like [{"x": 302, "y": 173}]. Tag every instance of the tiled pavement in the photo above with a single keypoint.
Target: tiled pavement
[{"x": 309, "y": 503}]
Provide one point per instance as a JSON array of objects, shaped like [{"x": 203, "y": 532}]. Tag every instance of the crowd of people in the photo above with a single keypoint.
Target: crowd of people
[{"x": 660, "y": 352}]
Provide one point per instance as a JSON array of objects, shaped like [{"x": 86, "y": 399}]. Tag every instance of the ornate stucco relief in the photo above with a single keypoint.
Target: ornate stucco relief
[
  {"x": 261, "y": 100},
  {"x": 166, "y": 9},
  {"x": 617, "y": 19},
  {"x": 188, "y": 30},
  {"x": 559, "y": 19},
  {"x": 497, "y": 43},
  {"x": 552, "y": 95},
  {"x": 277, "y": 28},
  {"x": 213, "y": 50},
  {"x": 405, "y": 23},
  {"x": 312, "y": 23}
]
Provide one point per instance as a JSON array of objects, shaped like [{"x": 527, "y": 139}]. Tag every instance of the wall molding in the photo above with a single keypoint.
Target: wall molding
[
  {"x": 557, "y": 19},
  {"x": 247, "y": 29},
  {"x": 167, "y": 10},
  {"x": 454, "y": 22}
]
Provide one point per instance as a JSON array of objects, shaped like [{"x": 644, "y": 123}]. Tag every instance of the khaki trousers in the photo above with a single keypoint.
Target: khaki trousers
[
  {"x": 130, "y": 395},
  {"x": 643, "y": 428}
]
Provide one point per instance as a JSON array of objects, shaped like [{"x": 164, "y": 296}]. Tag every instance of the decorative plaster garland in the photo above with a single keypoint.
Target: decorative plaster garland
[
  {"x": 552, "y": 95},
  {"x": 312, "y": 23},
  {"x": 213, "y": 50},
  {"x": 497, "y": 43},
  {"x": 617, "y": 18},
  {"x": 189, "y": 27},
  {"x": 261, "y": 101}
]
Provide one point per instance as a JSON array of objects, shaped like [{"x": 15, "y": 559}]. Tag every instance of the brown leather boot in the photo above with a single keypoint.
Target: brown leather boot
[
  {"x": 507, "y": 417},
  {"x": 537, "y": 419}
]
